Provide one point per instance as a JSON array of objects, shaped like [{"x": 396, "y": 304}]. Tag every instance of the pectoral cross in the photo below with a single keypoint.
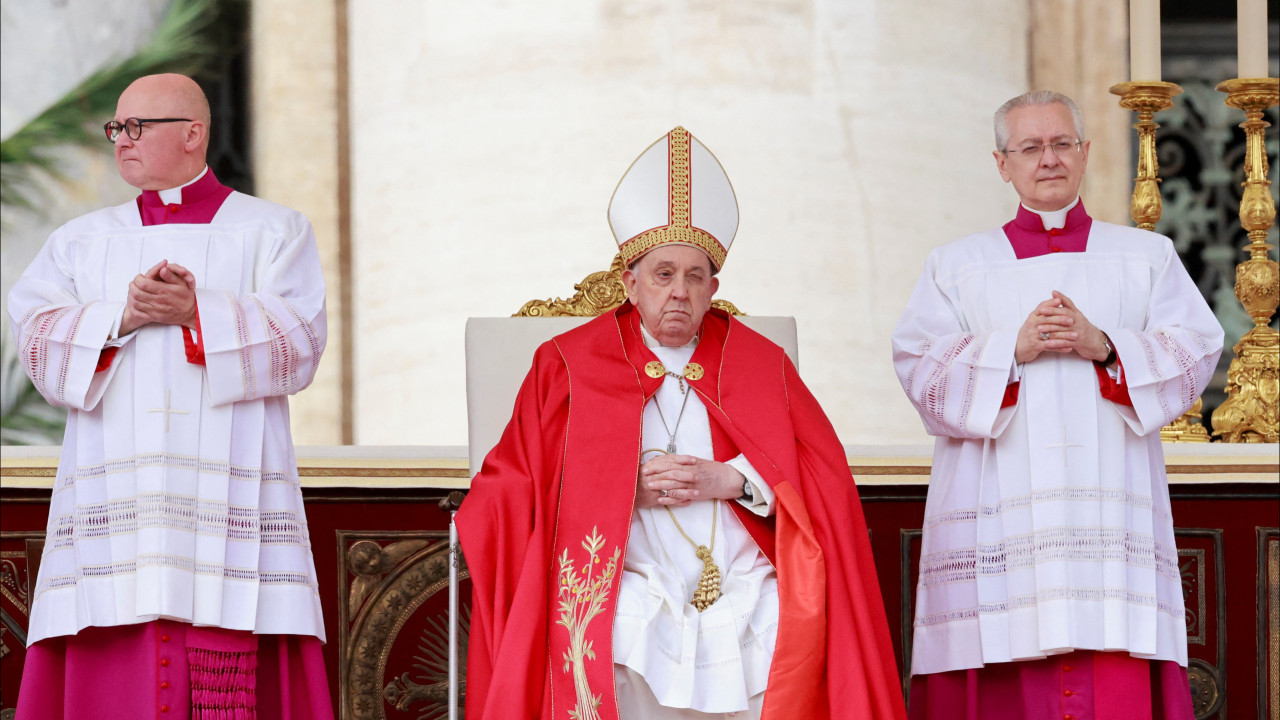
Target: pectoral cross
[
  {"x": 1064, "y": 445},
  {"x": 168, "y": 409}
]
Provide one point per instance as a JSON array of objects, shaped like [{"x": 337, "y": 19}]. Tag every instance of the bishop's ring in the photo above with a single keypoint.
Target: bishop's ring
[
  {"x": 663, "y": 492},
  {"x": 1044, "y": 336}
]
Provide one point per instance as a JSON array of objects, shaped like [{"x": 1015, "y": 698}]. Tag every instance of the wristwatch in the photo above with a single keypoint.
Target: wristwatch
[
  {"x": 747, "y": 493},
  {"x": 1111, "y": 351}
]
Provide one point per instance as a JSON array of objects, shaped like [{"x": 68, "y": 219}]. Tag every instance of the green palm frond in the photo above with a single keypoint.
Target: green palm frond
[
  {"x": 25, "y": 417},
  {"x": 178, "y": 44}
]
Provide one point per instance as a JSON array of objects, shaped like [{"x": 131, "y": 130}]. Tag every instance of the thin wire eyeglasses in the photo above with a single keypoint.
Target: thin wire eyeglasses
[
  {"x": 1061, "y": 148},
  {"x": 133, "y": 126}
]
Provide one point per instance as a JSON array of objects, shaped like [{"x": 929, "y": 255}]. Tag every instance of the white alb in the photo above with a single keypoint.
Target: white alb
[
  {"x": 177, "y": 493},
  {"x": 1047, "y": 526}
]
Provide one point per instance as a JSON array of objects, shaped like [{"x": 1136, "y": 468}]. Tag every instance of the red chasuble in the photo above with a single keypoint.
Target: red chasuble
[{"x": 545, "y": 529}]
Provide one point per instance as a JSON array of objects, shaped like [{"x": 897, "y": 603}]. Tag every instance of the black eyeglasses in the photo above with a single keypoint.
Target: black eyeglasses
[{"x": 133, "y": 126}]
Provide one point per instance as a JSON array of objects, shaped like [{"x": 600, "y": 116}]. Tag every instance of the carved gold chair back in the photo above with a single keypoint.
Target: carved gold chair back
[{"x": 598, "y": 293}]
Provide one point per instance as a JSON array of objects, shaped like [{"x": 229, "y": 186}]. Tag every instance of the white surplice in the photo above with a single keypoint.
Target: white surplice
[
  {"x": 1047, "y": 526},
  {"x": 709, "y": 662},
  {"x": 177, "y": 492}
]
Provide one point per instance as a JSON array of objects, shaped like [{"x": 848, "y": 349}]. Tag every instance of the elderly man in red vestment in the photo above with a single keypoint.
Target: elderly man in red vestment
[{"x": 668, "y": 527}]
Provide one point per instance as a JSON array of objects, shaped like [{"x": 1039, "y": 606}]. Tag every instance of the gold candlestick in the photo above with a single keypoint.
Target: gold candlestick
[
  {"x": 1147, "y": 99},
  {"x": 1250, "y": 413}
]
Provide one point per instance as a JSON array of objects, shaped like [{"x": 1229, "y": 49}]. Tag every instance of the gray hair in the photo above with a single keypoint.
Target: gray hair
[{"x": 1035, "y": 98}]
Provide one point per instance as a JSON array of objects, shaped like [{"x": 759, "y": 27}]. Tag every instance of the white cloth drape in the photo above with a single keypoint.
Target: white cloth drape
[
  {"x": 194, "y": 514},
  {"x": 1047, "y": 525}
]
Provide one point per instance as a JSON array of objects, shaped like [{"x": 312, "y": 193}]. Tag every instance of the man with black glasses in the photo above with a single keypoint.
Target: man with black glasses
[
  {"x": 177, "y": 578},
  {"x": 1045, "y": 356}
]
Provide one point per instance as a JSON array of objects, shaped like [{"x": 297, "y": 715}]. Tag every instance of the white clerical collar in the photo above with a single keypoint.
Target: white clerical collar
[
  {"x": 1055, "y": 218},
  {"x": 173, "y": 196},
  {"x": 651, "y": 341}
]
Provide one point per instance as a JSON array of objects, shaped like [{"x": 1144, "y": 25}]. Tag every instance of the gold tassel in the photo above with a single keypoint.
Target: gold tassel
[{"x": 709, "y": 584}]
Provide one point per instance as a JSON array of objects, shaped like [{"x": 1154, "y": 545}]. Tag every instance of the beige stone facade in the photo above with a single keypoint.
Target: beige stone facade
[{"x": 485, "y": 140}]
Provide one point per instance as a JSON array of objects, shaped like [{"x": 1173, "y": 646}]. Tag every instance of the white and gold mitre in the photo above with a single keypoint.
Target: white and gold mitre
[{"x": 674, "y": 193}]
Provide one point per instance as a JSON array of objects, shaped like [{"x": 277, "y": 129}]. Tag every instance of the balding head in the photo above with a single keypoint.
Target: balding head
[{"x": 166, "y": 155}]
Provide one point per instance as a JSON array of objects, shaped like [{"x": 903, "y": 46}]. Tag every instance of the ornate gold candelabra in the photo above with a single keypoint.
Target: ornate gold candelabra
[
  {"x": 1250, "y": 412},
  {"x": 1147, "y": 99}
]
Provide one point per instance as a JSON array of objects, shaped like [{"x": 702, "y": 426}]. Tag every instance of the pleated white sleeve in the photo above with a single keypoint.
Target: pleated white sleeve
[{"x": 267, "y": 341}]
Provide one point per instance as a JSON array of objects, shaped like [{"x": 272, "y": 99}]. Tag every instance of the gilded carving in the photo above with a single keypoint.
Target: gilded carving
[
  {"x": 597, "y": 294},
  {"x": 403, "y": 692},
  {"x": 13, "y": 580},
  {"x": 1250, "y": 412},
  {"x": 582, "y": 595},
  {"x": 1253, "y": 381},
  {"x": 394, "y": 580},
  {"x": 1146, "y": 206},
  {"x": 1191, "y": 565},
  {"x": 1186, "y": 428},
  {"x": 370, "y": 562},
  {"x": 1206, "y": 688},
  {"x": 1146, "y": 99}
]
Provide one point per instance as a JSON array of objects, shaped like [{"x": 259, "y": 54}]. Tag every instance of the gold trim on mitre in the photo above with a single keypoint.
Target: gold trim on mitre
[
  {"x": 679, "y": 229},
  {"x": 644, "y": 242}
]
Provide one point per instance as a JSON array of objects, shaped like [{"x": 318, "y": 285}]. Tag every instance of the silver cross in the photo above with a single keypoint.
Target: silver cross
[{"x": 168, "y": 409}]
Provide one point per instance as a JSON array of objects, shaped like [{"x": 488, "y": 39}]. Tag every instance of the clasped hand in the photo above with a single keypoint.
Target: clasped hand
[
  {"x": 1057, "y": 325},
  {"x": 165, "y": 295},
  {"x": 685, "y": 478}
]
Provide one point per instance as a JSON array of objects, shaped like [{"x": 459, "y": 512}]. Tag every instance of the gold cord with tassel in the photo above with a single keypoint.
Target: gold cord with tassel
[{"x": 709, "y": 584}]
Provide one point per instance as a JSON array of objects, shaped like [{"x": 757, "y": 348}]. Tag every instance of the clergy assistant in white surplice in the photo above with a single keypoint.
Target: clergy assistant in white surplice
[
  {"x": 177, "y": 563},
  {"x": 1045, "y": 356}
]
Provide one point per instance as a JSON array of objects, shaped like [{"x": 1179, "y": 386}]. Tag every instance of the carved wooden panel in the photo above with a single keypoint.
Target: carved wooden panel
[
  {"x": 19, "y": 562},
  {"x": 909, "y": 559},
  {"x": 1204, "y": 596},
  {"x": 1268, "y": 581},
  {"x": 1203, "y": 589},
  {"x": 393, "y": 624}
]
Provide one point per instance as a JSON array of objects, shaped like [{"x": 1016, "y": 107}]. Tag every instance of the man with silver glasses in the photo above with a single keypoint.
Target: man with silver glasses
[
  {"x": 1045, "y": 356},
  {"x": 177, "y": 578}
]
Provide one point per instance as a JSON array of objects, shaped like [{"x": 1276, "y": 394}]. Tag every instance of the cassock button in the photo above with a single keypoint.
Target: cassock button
[
  {"x": 164, "y": 662},
  {"x": 164, "y": 708},
  {"x": 1068, "y": 717},
  {"x": 164, "y": 685},
  {"x": 1066, "y": 668},
  {"x": 164, "y": 638},
  {"x": 1067, "y": 693},
  {"x": 173, "y": 208}
]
